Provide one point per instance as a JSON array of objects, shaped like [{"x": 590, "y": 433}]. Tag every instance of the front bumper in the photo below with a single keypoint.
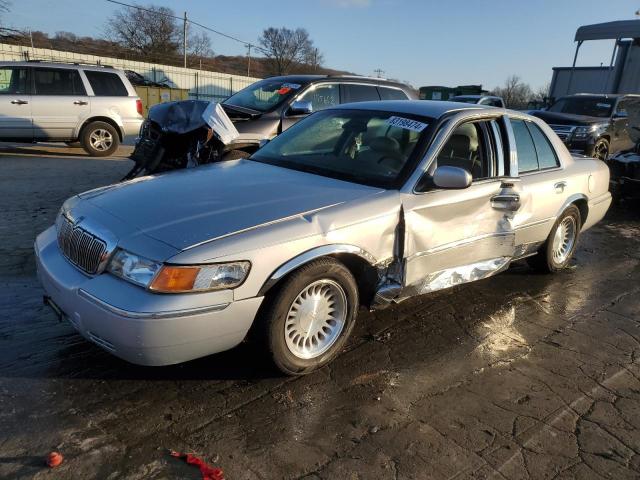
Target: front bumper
[{"x": 164, "y": 330}]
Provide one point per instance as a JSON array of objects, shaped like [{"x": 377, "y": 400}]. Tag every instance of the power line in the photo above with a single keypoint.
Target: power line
[{"x": 217, "y": 32}]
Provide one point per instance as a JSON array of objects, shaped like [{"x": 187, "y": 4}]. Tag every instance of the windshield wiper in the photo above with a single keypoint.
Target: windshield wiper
[{"x": 248, "y": 111}]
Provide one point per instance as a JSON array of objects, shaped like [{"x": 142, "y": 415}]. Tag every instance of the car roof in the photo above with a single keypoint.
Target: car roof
[
  {"x": 424, "y": 108},
  {"x": 38, "y": 63},
  {"x": 304, "y": 79}
]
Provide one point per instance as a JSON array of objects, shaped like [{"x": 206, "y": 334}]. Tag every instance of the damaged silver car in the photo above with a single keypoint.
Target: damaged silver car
[{"x": 362, "y": 204}]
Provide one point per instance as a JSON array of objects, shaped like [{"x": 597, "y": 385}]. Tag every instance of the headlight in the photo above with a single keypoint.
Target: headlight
[
  {"x": 199, "y": 278},
  {"x": 177, "y": 278},
  {"x": 136, "y": 269},
  {"x": 582, "y": 132}
]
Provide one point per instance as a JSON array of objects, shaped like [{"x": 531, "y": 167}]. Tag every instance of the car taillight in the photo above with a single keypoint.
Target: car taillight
[{"x": 139, "y": 106}]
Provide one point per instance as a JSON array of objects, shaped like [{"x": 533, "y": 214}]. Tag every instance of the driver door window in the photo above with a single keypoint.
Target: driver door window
[
  {"x": 322, "y": 96},
  {"x": 467, "y": 149}
]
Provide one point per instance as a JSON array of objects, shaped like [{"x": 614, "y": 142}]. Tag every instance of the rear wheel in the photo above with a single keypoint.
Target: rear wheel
[
  {"x": 99, "y": 139},
  {"x": 559, "y": 247},
  {"x": 309, "y": 318}
]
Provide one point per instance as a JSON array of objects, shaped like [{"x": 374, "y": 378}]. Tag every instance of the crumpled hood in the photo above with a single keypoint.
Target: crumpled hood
[
  {"x": 554, "y": 118},
  {"x": 192, "y": 206}
]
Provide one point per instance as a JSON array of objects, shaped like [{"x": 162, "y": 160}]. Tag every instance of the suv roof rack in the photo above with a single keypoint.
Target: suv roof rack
[
  {"x": 97, "y": 64},
  {"x": 341, "y": 75}
]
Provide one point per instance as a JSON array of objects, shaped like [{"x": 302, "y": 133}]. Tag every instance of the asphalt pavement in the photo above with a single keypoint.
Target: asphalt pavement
[{"x": 518, "y": 376}]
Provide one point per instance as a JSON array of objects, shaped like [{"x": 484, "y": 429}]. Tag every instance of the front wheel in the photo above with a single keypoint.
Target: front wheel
[
  {"x": 99, "y": 139},
  {"x": 559, "y": 247},
  {"x": 309, "y": 318},
  {"x": 601, "y": 149}
]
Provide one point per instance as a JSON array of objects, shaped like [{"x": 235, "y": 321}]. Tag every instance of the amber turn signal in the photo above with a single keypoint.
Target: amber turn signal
[{"x": 175, "y": 279}]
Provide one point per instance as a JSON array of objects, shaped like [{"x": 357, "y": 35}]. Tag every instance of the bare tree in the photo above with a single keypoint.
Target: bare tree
[
  {"x": 152, "y": 32},
  {"x": 199, "y": 45},
  {"x": 286, "y": 48},
  {"x": 515, "y": 92},
  {"x": 542, "y": 93}
]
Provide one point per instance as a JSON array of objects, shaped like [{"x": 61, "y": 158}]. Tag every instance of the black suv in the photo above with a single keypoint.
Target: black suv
[
  {"x": 594, "y": 125},
  {"x": 270, "y": 106}
]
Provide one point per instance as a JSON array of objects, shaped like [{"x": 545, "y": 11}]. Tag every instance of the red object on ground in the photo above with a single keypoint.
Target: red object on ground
[
  {"x": 208, "y": 472},
  {"x": 54, "y": 459}
]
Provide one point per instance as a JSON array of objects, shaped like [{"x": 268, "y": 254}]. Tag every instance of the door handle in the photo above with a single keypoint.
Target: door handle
[
  {"x": 19, "y": 102},
  {"x": 560, "y": 186},
  {"x": 506, "y": 201},
  {"x": 80, "y": 102}
]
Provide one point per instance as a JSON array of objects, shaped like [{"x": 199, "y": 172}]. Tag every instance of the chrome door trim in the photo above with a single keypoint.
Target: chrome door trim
[{"x": 457, "y": 243}]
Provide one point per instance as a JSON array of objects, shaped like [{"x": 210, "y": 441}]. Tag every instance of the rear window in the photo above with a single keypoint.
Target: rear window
[
  {"x": 392, "y": 94},
  {"x": 57, "y": 81},
  {"x": 546, "y": 154},
  {"x": 106, "y": 84},
  {"x": 359, "y": 93}
]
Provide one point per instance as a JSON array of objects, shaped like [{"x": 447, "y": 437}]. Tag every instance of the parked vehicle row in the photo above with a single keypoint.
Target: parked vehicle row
[
  {"x": 175, "y": 135},
  {"x": 359, "y": 204},
  {"x": 96, "y": 106}
]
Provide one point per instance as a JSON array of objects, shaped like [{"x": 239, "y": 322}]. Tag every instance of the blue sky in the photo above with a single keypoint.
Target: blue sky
[{"x": 425, "y": 42}]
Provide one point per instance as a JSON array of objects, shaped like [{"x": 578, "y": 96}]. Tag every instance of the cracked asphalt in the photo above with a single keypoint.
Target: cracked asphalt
[{"x": 514, "y": 377}]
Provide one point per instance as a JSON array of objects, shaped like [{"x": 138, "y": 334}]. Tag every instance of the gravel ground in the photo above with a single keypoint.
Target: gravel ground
[{"x": 518, "y": 376}]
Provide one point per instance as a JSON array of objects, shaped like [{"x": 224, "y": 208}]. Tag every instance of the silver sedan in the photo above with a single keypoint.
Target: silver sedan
[{"x": 361, "y": 205}]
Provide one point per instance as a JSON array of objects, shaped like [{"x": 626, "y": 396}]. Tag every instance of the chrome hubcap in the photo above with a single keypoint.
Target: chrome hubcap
[
  {"x": 564, "y": 239},
  {"x": 101, "y": 139},
  {"x": 316, "y": 319}
]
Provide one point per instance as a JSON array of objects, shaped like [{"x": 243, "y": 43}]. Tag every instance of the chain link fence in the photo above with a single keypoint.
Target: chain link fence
[{"x": 201, "y": 84}]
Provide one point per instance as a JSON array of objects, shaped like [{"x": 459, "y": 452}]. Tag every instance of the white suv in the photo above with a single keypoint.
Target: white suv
[{"x": 94, "y": 105}]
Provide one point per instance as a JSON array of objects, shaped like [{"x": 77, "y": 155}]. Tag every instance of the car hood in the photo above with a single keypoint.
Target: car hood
[
  {"x": 193, "y": 206},
  {"x": 554, "y": 118}
]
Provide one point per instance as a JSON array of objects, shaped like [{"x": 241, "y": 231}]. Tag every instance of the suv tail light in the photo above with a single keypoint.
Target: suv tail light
[{"x": 139, "y": 107}]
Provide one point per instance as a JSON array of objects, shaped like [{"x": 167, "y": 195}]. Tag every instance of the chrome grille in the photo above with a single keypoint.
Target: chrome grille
[
  {"x": 563, "y": 131},
  {"x": 80, "y": 247}
]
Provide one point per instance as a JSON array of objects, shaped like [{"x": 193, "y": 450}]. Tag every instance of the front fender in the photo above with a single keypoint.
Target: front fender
[{"x": 308, "y": 256}]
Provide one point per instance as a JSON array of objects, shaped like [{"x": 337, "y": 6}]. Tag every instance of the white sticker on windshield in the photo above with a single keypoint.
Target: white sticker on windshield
[
  {"x": 407, "y": 124},
  {"x": 292, "y": 86},
  {"x": 603, "y": 105}
]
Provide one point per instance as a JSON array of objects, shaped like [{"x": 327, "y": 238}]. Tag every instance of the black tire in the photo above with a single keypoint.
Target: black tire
[
  {"x": 90, "y": 135},
  {"x": 273, "y": 320},
  {"x": 235, "y": 155},
  {"x": 545, "y": 260},
  {"x": 601, "y": 149}
]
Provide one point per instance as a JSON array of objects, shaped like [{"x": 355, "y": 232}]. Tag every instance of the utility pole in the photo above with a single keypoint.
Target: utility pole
[
  {"x": 184, "y": 39},
  {"x": 378, "y": 72},
  {"x": 248, "y": 59}
]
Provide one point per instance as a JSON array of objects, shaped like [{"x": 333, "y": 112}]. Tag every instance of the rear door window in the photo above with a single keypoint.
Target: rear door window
[
  {"x": 546, "y": 154},
  {"x": 391, "y": 94},
  {"x": 359, "y": 93},
  {"x": 57, "y": 81},
  {"x": 106, "y": 84},
  {"x": 527, "y": 158},
  {"x": 13, "y": 81}
]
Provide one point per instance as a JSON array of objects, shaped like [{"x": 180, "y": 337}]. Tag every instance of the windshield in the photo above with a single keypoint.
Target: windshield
[
  {"x": 368, "y": 147},
  {"x": 264, "y": 95},
  {"x": 587, "y": 106}
]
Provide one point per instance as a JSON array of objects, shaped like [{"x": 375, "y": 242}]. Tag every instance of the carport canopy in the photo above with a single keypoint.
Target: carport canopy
[{"x": 609, "y": 30}]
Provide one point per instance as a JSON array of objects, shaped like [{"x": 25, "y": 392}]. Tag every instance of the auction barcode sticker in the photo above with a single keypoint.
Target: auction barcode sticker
[{"x": 406, "y": 123}]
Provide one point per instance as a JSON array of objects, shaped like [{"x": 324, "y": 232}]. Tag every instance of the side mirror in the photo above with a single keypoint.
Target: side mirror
[
  {"x": 263, "y": 142},
  {"x": 300, "y": 108},
  {"x": 454, "y": 178}
]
